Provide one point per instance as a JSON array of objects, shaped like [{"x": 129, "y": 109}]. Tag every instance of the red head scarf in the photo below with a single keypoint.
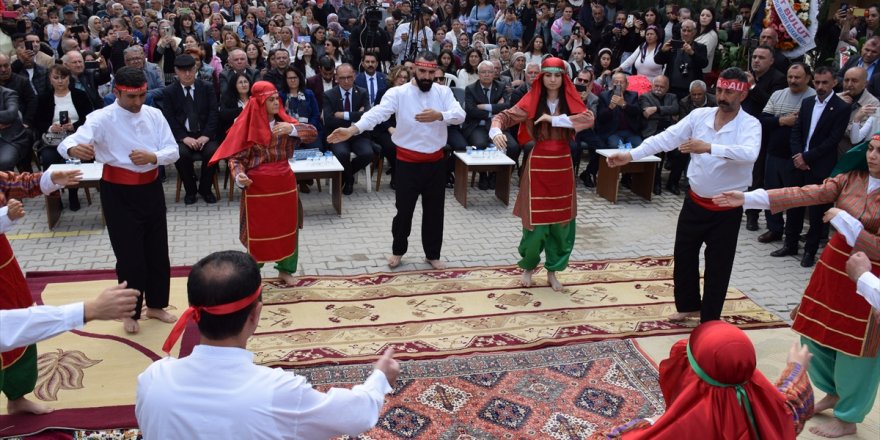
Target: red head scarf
[
  {"x": 252, "y": 125},
  {"x": 693, "y": 406},
  {"x": 529, "y": 102}
]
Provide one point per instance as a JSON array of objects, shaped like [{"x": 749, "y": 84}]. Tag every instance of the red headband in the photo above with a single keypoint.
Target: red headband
[
  {"x": 194, "y": 313},
  {"x": 128, "y": 89},
  {"x": 426, "y": 64},
  {"x": 875, "y": 137},
  {"x": 732, "y": 84}
]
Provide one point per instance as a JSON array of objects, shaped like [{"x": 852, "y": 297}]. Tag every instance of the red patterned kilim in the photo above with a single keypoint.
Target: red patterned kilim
[{"x": 571, "y": 392}]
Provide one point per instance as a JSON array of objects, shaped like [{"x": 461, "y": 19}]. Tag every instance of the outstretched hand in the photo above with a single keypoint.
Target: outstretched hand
[
  {"x": 619, "y": 159},
  {"x": 66, "y": 178},
  {"x": 730, "y": 199},
  {"x": 341, "y": 134},
  {"x": 15, "y": 209},
  {"x": 387, "y": 365},
  {"x": 799, "y": 354},
  {"x": 115, "y": 302}
]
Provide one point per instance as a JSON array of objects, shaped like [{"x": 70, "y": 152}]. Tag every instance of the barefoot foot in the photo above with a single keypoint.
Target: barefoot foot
[
  {"x": 526, "y": 279},
  {"x": 24, "y": 406},
  {"x": 827, "y": 402},
  {"x": 834, "y": 428},
  {"x": 683, "y": 316},
  {"x": 436, "y": 264},
  {"x": 394, "y": 261},
  {"x": 554, "y": 282},
  {"x": 286, "y": 278},
  {"x": 130, "y": 325},
  {"x": 161, "y": 315}
]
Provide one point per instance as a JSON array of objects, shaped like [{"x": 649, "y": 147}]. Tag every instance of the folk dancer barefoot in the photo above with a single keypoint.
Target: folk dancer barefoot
[
  {"x": 550, "y": 114},
  {"x": 18, "y": 372},
  {"x": 258, "y": 146}
]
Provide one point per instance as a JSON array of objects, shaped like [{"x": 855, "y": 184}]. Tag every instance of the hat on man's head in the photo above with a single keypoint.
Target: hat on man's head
[
  {"x": 68, "y": 9},
  {"x": 184, "y": 61}
]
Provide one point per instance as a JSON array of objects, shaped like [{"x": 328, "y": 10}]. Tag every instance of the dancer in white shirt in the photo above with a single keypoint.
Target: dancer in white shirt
[
  {"x": 132, "y": 141},
  {"x": 723, "y": 143},
  {"x": 421, "y": 165},
  {"x": 217, "y": 391}
]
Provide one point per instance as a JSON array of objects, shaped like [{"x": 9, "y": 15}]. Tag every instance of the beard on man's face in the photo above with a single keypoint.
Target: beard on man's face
[{"x": 424, "y": 84}]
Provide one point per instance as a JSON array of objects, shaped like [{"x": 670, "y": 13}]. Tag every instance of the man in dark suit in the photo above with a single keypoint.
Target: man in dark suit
[
  {"x": 684, "y": 64},
  {"x": 237, "y": 63},
  {"x": 619, "y": 113},
  {"x": 770, "y": 38},
  {"x": 190, "y": 107},
  {"x": 344, "y": 105},
  {"x": 279, "y": 59},
  {"x": 483, "y": 99},
  {"x": 323, "y": 81},
  {"x": 659, "y": 108},
  {"x": 813, "y": 144},
  {"x": 371, "y": 80},
  {"x": 15, "y": 141},
  {"x": 27, "y": 100},
  {"x": 869, "y": 59},
  {"x": 764, "y": 80}
]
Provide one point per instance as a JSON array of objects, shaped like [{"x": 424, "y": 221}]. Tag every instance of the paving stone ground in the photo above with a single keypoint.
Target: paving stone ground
[{"x": 484, "y": 234}]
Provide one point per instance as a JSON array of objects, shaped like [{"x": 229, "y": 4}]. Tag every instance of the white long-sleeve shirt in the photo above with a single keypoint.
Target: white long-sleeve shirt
[
  {"x": 116, "y": 132},
  {"x": 405, "y": 102},
  {"x": 46, "y": 186},
  {"x": 218, "y": 392},
  {"x": 727, "y": 166},
  {"x": 23, "y": 327},
  {"x": 400, "y": 48}
]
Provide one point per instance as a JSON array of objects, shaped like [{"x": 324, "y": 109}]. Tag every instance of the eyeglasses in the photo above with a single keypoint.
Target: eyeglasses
[
  {"x": 579, "y": 80},
  {"x": 440, "y": 79}
]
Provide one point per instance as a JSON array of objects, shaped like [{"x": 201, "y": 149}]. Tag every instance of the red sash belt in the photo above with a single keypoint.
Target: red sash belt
[
  {"x": 15, "y": 294},
  {"x": 705, "y": 203},
  {"x": 122, "y": 176},
  {"x": 831, "y": 313},
  {"x": 407, "y": 155},
  {"x": 270, "y": 208}
]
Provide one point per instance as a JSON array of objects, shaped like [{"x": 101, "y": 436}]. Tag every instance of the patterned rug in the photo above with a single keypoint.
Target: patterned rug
[
  {"x": 435, "y": 314},
  {"x": 89, "y": 376}
]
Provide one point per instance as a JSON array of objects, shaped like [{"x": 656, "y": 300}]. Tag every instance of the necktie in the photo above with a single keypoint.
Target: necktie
[
  {"x": 346, "y": 104},
  {"x": 372, "y": 91},
  {"x": 190, "y": 109},
  {"x": 488, "y": 95}
]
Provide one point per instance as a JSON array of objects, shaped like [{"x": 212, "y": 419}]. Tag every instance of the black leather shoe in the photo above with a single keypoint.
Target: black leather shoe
[
  {"x": 189, "y": 199},
  {"x": 209, "y": 198},
  {"x": 588, "y": 180},
  {"x": 492, "y": 180},
  {"x": 483, "y": 183},
  {"x": 348, "y": 188},
  {"x": 74, "y": 201},
  {"x": 784, "y": 251},
  {"x": 673, "y": 188},
  {"x": 770, "y": 237},
  {"x": 658, "y": 189},
  {"x": 450, "y": 181},
  {"x": 809, "y": 259},
  {"x": 751, "y": 223}
]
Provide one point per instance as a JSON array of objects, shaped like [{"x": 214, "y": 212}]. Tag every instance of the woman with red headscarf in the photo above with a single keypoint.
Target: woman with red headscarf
[
  {"x": 258, "y": 146},
  {"x": 550, "y": 113},
  {"x": 713, "y": 390}
]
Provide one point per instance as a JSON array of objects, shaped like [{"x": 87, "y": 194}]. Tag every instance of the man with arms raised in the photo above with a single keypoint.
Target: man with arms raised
[
  {"x": 723, "y": 143},
  {"x": 421, "y": 168}
]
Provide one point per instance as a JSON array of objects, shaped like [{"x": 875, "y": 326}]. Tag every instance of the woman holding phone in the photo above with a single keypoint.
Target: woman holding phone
[{"x": 59, "y": 113}]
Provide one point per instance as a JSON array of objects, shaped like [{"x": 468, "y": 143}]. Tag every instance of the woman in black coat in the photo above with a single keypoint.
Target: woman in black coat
[{"x": 59, "y": 113}]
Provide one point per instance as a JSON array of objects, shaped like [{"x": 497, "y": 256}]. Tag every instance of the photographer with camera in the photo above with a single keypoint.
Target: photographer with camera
[
  {"x": 404, "y": 48},
  {"x": 369, "y": 37},
  {"x": 684, "y": 60}
]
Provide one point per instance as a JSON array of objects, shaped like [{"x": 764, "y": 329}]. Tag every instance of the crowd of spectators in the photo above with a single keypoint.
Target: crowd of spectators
[{"x": 331, "y": 60}]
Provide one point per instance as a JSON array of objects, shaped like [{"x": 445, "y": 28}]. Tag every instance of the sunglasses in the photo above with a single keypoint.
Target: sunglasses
[{"x": 440, "y": 79}]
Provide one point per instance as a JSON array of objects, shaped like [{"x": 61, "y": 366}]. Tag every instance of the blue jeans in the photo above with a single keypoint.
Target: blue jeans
[{"x": 624, "y": 136}]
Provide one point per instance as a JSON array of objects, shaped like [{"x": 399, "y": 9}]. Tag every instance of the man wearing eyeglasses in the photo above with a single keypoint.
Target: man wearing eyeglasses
[
  {"x": 483, "y": 100},
  {"x": 587, "y": 139},
  {"x": 685, "y": 60},
  {"x": 136, "y": 58}
]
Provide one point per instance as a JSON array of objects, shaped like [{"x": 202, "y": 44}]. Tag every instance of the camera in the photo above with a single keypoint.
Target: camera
[
  {"x": 92, "y": 64},
  {"x": 580, "y": 87},
  {"x": 63, "y": 117},
  {"x": 29, "y": 45},
  {"x": 676, "y": 44},
  {"x": 77, "y": 29}
]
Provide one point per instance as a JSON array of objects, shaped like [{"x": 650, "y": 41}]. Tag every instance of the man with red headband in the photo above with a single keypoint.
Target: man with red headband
[
  {"x": 259, "y": 145},
  {"x": 132, "y": 141},
  {"x": 422, "y": 111},
  {"x": 713, "y": 389},
  {"x": 217, "y": 391},
  {"x": 550, "y": 114},
  {"x": 723, "y": 143},
  {"x": 839, "y": 326}
]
